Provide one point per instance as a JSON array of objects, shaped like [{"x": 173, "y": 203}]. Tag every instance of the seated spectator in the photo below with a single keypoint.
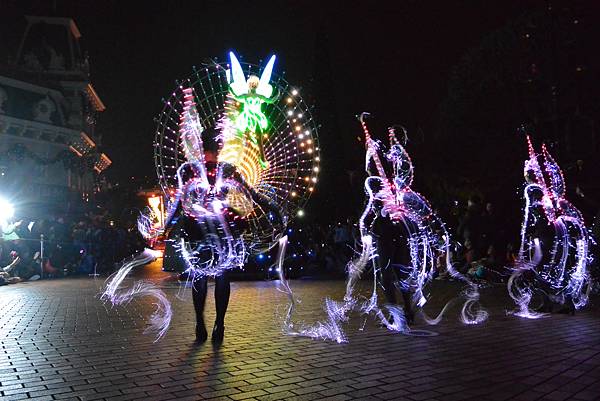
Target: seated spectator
[
  {"x": 488, "y": 268},
  {"x": 464, "y": 257},
  {"x": 19, "y": 270},
  {"x": 5, "y": 278},
  {"x": 49, "y": 270},
  {"x": 16, "y": 260}
]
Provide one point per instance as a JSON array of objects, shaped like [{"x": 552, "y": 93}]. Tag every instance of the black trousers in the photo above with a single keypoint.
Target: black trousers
[
  {"x": 222, "y": 291},
  {"x": 392, "y": 260}
]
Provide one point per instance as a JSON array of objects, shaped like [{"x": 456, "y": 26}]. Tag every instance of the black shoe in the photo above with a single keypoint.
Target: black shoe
[
  {"x": 201, "y": 334},
  {"x": 546, "y": 307},
  {"x": 567, "y": 310},
  {"x": 218, "y": 333}
]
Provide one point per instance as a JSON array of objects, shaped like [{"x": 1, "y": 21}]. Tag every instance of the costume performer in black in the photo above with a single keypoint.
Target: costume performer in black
[{"x": 195, "y": 232}]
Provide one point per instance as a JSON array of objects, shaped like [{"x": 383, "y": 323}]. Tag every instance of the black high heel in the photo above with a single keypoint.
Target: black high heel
[
  {"x": 410, "y": 316},
  {"x": 544, "y": 308},
  {"x": 567, "y": 310},
  {"x": 201, "y": 334},
  {"x": 218, "y": 333}
]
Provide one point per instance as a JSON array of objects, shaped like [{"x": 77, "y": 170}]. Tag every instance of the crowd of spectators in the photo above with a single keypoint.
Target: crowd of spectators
[
  {"x": 484, "y": 246},
  {"x": 484, "y": 243},
  {"x": 56, "y": 246}
]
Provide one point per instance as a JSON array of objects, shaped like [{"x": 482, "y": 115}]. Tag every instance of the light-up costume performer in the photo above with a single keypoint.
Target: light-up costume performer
[
  {"x": 234, "y": 189},
  {"x": 403, "y": 239},
  {"x": 213, "y": 227},
  {"x": 403, "y": 236},
  {"x": 553, "y": 255}
]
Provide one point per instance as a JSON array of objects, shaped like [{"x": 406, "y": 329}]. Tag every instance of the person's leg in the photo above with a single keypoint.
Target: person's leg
[
  {"x": 384, "y": 264},
  {"x": 403, "y": 268},
  {"x": 407, "y": 299},
  {"x": 199, "y": 288},
  {"x": 568, "y": 306},
  {"x": 222, "y": 292}
]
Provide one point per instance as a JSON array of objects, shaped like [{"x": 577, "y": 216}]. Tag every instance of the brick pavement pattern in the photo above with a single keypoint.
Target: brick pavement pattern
[{"x": 60, "y": 342}]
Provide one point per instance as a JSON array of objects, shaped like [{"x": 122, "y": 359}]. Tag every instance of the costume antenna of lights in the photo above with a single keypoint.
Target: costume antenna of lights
[
  {"x": 390, "y": 198},
  {"x": 553, "y": 255},
  {"x": 266, "y": 161}
]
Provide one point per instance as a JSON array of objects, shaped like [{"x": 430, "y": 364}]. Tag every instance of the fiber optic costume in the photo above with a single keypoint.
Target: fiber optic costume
[
  {"x": 553, "y": 256},
  {"x": 403, "y": 239},
  {"x": 234, "y": 172}
]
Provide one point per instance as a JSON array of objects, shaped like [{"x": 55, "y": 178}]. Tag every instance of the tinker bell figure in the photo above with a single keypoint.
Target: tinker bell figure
[{"x": 252, "y": 121}]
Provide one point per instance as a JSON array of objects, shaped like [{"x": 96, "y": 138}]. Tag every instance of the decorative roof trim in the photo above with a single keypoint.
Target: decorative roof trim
[
  {"x": 98, "y": 104},
  {"x": 56, "y": 21}
]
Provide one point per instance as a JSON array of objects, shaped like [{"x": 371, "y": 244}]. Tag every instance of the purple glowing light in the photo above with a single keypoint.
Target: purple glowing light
[{"x": 555, "y": 264}]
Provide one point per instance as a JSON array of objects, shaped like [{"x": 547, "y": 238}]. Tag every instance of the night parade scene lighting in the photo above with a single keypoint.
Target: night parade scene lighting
[{"x": 236, "y": 201}]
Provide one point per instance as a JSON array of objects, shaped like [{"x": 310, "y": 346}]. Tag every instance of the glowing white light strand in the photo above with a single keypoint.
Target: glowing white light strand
[{"x": 116, "y": 295}]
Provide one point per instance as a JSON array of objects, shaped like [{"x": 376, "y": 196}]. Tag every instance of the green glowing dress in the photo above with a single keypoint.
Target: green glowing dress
[{"x": 252, "y": 120}]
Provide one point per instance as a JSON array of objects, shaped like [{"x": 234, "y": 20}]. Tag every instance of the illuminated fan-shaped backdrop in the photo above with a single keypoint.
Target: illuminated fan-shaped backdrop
[{"x": 291, "y": 145}]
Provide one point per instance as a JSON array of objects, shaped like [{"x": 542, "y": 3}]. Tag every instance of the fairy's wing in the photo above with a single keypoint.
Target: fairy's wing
[
  {"x": 190, "y": 134},
  {"x": 264, "y": 88},
  {"x": 557, "y": 182},
  {"x": 190, "y": 129},
  {"x": 533, "y": 166},
  {"x": 235, "y": 77}
]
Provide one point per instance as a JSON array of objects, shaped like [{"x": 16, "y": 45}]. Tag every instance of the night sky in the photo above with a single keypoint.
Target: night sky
[{"x": 390, "y": 58}]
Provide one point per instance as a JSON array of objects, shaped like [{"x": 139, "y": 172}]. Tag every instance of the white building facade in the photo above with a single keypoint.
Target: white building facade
[{"x": 49, "y": 157}]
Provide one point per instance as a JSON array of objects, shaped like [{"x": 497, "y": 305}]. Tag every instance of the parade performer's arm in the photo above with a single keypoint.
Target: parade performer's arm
[
  {"x": 261, "y": 200},
  {"x": 174, "y": 213},
  {"x": 266, "y": 204},
  {"x": 373, "y": 207}
]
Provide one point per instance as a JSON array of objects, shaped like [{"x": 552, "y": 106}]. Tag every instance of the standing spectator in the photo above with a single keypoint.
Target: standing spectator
[
  {"x": 79, "y": 235},
  {"x": 470, "y": 227},
  {"x": 341, "y": 242},
  {"x": 59, "y": 231},
  {"x": 492, "y": 229}
]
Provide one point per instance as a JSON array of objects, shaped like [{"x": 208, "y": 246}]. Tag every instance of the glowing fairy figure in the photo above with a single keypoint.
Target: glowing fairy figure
[
  {"x": 553, "y": 255},
  {"x": 252, "y": 94}
]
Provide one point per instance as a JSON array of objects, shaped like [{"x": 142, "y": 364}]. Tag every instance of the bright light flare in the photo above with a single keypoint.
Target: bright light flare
[{"x": 6, "y": 210}]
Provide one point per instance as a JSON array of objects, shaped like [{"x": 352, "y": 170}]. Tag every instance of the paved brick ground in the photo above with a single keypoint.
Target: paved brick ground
[{"x": 59, "y": 342}]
